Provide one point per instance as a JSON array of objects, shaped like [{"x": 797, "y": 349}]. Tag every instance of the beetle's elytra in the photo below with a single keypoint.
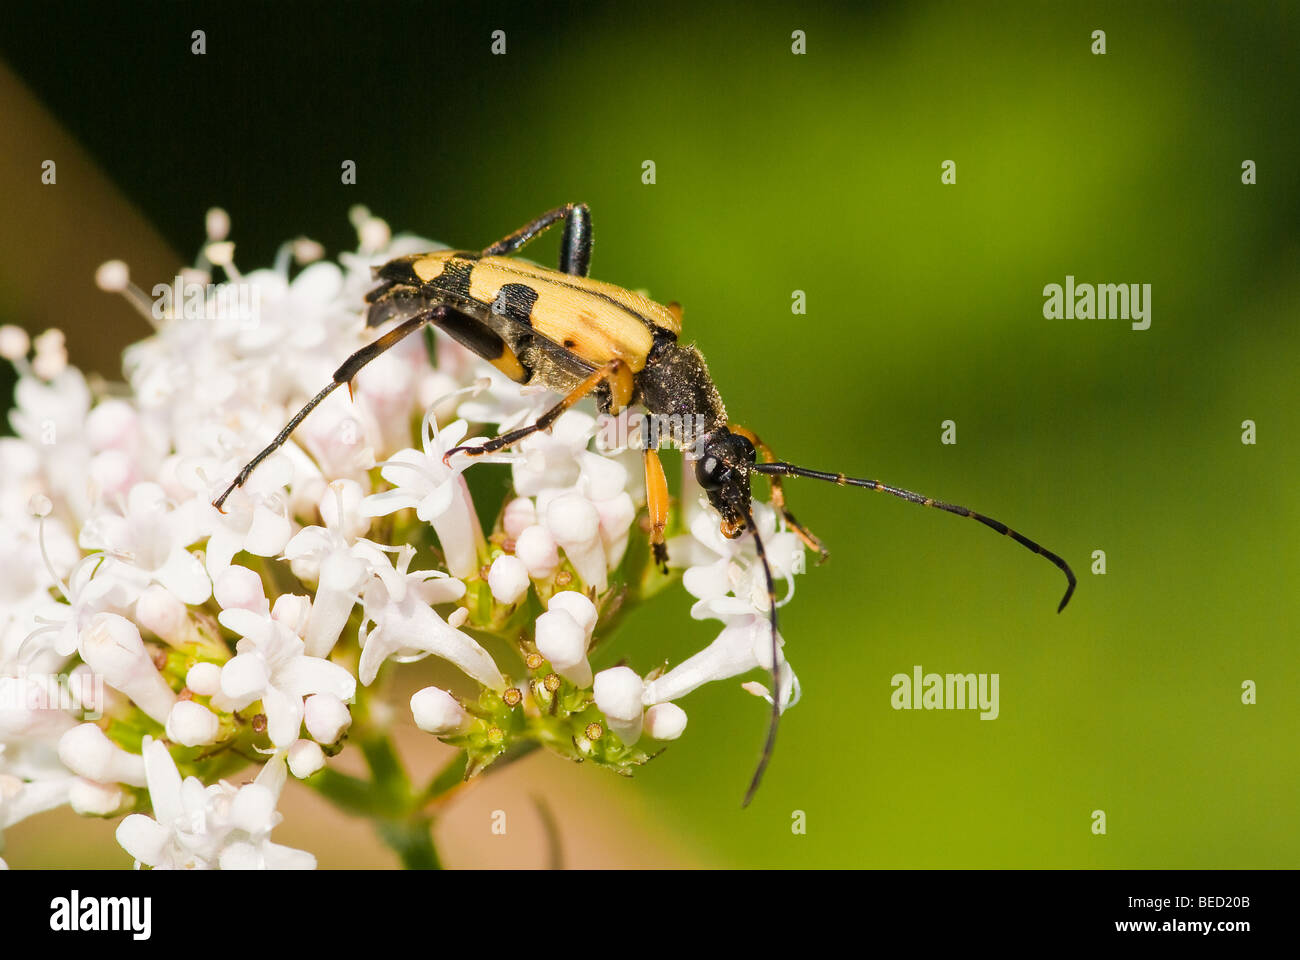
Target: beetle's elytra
[{"x": 579, "y": 337}]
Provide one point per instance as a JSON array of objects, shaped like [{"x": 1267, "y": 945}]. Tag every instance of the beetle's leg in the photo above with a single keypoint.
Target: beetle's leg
[
  {"x": 616, "y": 373},
  {"x": 344, "y": 374},
  {"x": 778, "y": 495},
  {"x": 656, "y": 501},
  {"x": 479, "y": 338},
  {"x": 575, "y": 245},
  {"x": 400, "y": 301}
]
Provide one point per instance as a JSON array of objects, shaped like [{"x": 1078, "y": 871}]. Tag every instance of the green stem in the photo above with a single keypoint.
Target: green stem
[{"x": 412, "y": 839}]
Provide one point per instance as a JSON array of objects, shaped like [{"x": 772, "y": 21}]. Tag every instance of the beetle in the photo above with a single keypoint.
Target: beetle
[{"x": 583, "y": 337}]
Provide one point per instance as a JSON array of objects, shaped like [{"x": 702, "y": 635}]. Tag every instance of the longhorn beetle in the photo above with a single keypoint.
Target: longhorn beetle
[{"x": 579, "y": 337}]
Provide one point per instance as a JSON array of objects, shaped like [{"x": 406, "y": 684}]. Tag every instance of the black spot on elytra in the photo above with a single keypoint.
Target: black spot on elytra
[{"x": 515, "y": 301}]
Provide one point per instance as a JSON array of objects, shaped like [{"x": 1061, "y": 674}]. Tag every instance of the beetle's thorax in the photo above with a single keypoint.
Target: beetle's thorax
[{"x": 676, "y": 382}]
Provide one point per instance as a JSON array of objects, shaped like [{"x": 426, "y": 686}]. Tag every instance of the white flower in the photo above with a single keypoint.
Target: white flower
[
  {"x": 552, "y": 460},
  {"x": 337, "y": 560},
  {"x": 437, "y": 492},
  {"x": 271, "y": 665},
  {"x": 253, "y": 518},
  {"x": 128, "y": 478},
  {"x": 519, "y": 514},
  {"x": 725, "y": 574},
  {"x": 147, "y": 544},
  {"x": 88, "y": 592},
  {"x": 202, "y": 828},
  {"x": 20, "y": 799},
  {"x": 406, "y": 628},
  {"x": 50, "y": 415},
  {"x": 504, "y": 402},
  {"x": 744, "y": 644}
]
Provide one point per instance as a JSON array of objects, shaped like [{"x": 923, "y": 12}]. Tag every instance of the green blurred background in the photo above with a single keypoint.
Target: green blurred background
[{"x": 821, "y": 173}]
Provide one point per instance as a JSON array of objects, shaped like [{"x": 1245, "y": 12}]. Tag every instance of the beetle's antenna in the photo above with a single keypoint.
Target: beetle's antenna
[
  {"x": 775, "y": 721},
  {"x": 789, "y": 469}
]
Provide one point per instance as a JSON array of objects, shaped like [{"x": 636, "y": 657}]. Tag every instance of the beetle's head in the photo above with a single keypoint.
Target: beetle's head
[{"x": 722, "y": 469}]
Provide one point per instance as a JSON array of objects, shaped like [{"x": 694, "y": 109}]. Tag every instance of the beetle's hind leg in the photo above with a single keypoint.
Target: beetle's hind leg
[
  {"x": 616, "y": 374},
  {"x": 575, "y": 245},
  {"x": 344, "y": 374}
]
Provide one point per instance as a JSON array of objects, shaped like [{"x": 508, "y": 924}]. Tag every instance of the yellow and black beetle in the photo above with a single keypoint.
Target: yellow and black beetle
[{"x": 579, "y": 336}]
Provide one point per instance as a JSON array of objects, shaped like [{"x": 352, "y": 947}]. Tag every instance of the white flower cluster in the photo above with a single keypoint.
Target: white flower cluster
[{"x": 145, "y": 635}]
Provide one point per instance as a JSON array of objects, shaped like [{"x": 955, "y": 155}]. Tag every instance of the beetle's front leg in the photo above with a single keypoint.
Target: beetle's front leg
[
  {"x": 656, "y": 501},
  {"x": 778, "y": 495},
  {"x": 616, "y": 374}
]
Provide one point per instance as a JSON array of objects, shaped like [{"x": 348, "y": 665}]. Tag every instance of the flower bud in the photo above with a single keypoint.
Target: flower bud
[
  {"x": 576, "y": 605},
  {"x": 561, "y": 640},
  {"x": 618, "y": 695},
  {"x": 112, "y": 276},
  {"x": 327, "y": 717},
  {"x": 191, "y": 724},
  {"x": 217, "y": 224},
  {"x": 111, "y": 645},
  {"x": 438, "y": 712},
  {"x": 665, "y": 721},
  {"x": 241, "y": 588},
  {"x": 14, "y": 342},
  {"x": 162, "y": 614},
  {"x": 91, "y": 799},
  {"x": 508, "y": 579},
  {"x": 204, "y": 679},
  {"x": 536, "y": 548},
  {"x": 305, "y": 758},
  {"x": 518, "y": 515},
  {"x": 574, "y": 522},
  {"x": 292, "y": 610},
  {"x": 87, "y": 752}
]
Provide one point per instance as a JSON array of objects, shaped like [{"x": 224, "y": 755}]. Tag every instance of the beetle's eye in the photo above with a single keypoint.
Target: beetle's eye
[
  {"x": 747, "y": 450},
  {"x": 711, "y": 472}
]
